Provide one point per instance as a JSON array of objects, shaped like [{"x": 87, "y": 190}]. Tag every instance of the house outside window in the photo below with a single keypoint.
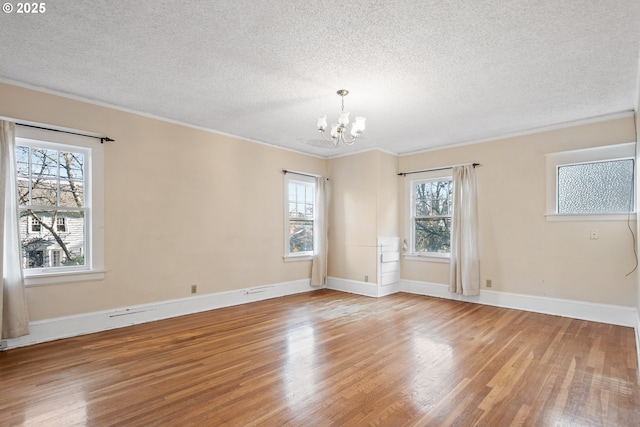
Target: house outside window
[{"x": 299, "y": 217}]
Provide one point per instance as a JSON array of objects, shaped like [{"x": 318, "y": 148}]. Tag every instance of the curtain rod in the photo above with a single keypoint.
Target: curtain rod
[
  {"x": 285, "y": 171},
  {"x": 101, "y": 138},
  {"x": 436, "y": 169}
]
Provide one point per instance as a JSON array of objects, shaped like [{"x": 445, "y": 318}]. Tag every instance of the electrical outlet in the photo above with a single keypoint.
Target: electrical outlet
[
  {"x": 366, "y": 278},
  {"x": 594, "y": 235},
  {"x": 194, "y": 289},
  {"x": 488, "y": 283}
]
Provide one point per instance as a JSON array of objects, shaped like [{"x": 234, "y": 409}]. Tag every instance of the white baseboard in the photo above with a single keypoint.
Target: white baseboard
[
  {"x": 353, "y": 286},
  {"x": 604, "y": 313},
  {"x": 71, "y": 326},
  {"x": 389, "y": 289}
]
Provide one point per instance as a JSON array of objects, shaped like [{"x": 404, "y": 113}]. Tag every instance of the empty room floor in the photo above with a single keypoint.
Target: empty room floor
[{"x": 327, "y": 358}]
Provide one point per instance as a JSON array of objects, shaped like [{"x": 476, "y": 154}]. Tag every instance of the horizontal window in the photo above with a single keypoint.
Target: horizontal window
[{"x": 591, "y": 182}]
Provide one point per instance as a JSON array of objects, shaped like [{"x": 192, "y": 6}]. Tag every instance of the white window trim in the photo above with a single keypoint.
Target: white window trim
[
  {"x": 409, "y": 255},
  {"x": 94, "y": 183},
  {"x": 305, "y": 256},
  {"x": 585, "y": 155}
]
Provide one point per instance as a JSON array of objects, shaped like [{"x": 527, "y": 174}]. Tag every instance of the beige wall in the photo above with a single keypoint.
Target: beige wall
[
  {"x": 364, "y": 205},
  {"x": 352, "y": 216},
  {"x": 520, "y": 251},
  {"x": 388, "y": 208},
  {"x": 183, "y": 207}
]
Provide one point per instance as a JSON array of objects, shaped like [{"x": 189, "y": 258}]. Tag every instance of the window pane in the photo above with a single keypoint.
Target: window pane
[
  {"x": 433, "y": 235},
  {"x": 71, "y": 194},
  {"x": 422, "y": 202},
  {"x": 309, "y": 196},
  {"x": 54, "y": 231},
  {"x": 433, "y": 198},
  {"x": 602, "y": 187},
  {"x": 44, "y": 192},
  {"x": 22, "y": 159},
  {"x": 291, "y": 191},
  {"x": 71, "y": 166},
  {"x": 44, "y": 163},
  {"x": 300, "y": 236},
  {"x": 23, "y": 191}
]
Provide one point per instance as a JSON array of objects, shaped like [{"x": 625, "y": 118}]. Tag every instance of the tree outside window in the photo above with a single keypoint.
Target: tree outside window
[{"x": 431, "y": 215}]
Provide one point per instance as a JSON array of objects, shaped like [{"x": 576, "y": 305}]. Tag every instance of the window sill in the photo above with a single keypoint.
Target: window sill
[
  {"x": 444, "y": 259},
  {"x": 63, "y": 277},
  {"x": 590, "y": 217},
  {"x": 297, "y": 258}
]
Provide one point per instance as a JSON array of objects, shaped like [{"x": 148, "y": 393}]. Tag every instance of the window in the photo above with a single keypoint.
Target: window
[
  {"x": 51, "y": 193},
  {"x": 594, "y": 183},
  {"x": 430, "y": 207},
  {"x": 300, "y": 216},
  {"x": 34, "y": 225},
  {"x": 60, "y": 197}
]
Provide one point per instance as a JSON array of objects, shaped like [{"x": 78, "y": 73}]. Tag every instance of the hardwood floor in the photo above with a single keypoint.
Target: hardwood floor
[{"x": 332, "y": 359}]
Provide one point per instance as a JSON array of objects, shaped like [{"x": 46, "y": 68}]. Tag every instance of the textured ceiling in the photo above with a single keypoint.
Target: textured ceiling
[{"x": 424, "y": 73}]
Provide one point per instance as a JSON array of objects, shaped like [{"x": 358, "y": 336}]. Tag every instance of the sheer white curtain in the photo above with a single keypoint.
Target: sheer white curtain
[
  {"x": 321, "y": 238},
  {"x": 464, "y": 266},
  {"x": 14, "y": 319}
]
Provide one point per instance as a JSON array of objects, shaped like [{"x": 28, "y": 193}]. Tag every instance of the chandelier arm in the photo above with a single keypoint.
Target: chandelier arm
[
  {"x": 327, "y": 139},
  {"x": 348, "y": 141}
]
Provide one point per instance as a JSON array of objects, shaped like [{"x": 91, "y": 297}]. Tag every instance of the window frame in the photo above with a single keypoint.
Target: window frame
[
  {"x": 94, "y": 195},
  {"x": 308, "y": 181},
  {"x": 615, "y": 152},
  {"x": 410, "y": 183}
]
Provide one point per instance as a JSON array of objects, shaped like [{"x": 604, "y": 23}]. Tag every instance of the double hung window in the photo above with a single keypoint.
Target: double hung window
[
  {"x": 430, "y": 207},
  {"x": 300, "y": 216}
]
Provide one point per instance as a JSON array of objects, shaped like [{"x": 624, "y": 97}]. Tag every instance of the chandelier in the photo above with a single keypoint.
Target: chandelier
[{"x": 338, "y": 129}]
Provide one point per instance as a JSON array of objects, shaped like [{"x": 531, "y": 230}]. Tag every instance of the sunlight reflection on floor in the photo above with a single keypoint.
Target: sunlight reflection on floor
[
  {"x": 69, "y": 410},
  {"x": 299, "y": 375},
  {"x": 435, "y": 362}
]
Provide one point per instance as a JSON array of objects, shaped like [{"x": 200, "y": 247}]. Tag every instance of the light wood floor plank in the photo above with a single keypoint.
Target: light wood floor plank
[{"x": 331, "y": 359}]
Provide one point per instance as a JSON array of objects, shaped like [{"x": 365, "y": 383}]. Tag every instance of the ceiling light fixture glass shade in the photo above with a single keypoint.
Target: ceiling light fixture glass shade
[{"x": 337, "y": 133}]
